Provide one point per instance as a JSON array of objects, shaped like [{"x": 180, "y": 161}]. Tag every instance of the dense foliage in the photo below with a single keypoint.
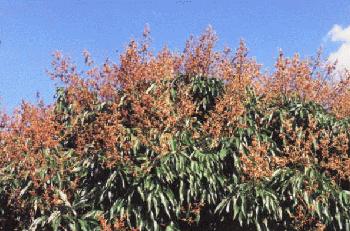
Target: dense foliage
[{"x": 198, "y": 140}]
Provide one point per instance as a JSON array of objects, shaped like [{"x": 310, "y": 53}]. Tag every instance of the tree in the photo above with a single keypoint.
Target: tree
[{"x": 200, "y": 140}]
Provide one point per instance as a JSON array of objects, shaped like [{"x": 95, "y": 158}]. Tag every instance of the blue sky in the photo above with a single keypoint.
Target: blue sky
[{"x": 31, "y": 30}]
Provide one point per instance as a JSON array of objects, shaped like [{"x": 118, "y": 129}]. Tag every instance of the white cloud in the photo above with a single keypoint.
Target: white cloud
[
  {"x": 338, "y": 33},
  {"x": 342, "y": 55}
]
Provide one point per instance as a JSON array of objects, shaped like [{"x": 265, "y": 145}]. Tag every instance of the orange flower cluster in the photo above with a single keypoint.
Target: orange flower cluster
[
  {"x": 28, "y": 135},
  {"x": 147, "y": 81},
  {"x": 256, "y": 164},
  {"x": 308, "y": 80}
]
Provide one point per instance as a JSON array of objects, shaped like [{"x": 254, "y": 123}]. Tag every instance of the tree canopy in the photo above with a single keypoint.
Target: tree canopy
[{"x": 196, "y": 140}]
